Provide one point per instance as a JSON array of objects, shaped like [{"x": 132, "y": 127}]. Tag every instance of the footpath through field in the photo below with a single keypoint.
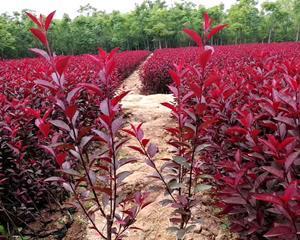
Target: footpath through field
[{"x": 154, "y": 218}]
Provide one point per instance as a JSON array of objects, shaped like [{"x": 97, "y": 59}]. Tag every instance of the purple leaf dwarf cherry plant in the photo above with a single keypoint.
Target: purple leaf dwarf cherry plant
[
  {"x": 95, "y": 181},
  {"x": 181, "y": 174}
]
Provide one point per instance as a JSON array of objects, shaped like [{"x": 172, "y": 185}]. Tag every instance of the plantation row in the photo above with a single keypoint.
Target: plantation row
[
  {"x": 227, "y": 60},
  {"x": 250, "y": 118},
  {"x": 24, "y": 165},
  {"x": 18, "y": 75},
  {"x": 236, "y": 110}
]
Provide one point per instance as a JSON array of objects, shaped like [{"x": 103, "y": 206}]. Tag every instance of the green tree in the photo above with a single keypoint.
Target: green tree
[
  {"x": 7, "y": 40},
  {"x": 153, "y": 24},
  {"x": 62, "y": 35},
  {"x": 243, "y": 19},
  {"x": 273, "y": 12}
]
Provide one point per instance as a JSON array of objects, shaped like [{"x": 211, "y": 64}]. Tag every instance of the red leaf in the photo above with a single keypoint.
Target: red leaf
[
  {"x": 45, "y": 84},
  {"x": 118, "y": 98},
  {"x": 290, "y": 160},
  {"x": 49, "y": 20},
  {"x": 43, "y": 126},
  {"x": 235, "y": 200},
  {"x": 196, "y": 89},
  {"x": 238, "y": 156},
  {"x": 268, "y": 198},
  {"x": 286, "y": 120},
  {"x": 47, "y": 114},
  {"x": 236, "y": 131},
  {"x": 40, "y": 35},
  {"x": 61, "y": 64},
  {"x": 175, "y": 77},
  {"x": 268, "y": 144},
  {"x": 48, "y": 149},
  {"x": 145, "y": 142},
  {"x": 213, "y": 78},
  {"x": 291, "y": 192},
  {"x": 152, "y": 150},
  {"x": 215, "y": 30},
  {"x": 70, "y": 111},
  {"x": 34, "y": 19},
  {"x": 286, "y": 142},
  {"x": 173, "y": 131},
  {"x": 279, "y": 230},
  {"x": 102, "y": 53},
  {"x": 200, "y": 108},
  {"x": 92, "y": 87},
  {"x": 41, "y": 53},
  {"x": 60, "y": 158},
  {"x": 278, "y": 173},
  {"x": 60, "y": 124},
  {"x": 113, "y": 53},
  {"x": 129, "y": 132},
  {"x": 239, "y": 176},
  {"x": 204, "y": 57},
  {"x": 103, "y": 190},
  {"x": 137, "y": 149},
  {"x": 247, "y": 120},
  {"x": 72, "y": 94},
  {"x": 207, "y": 21},
  {"x": 195, "y": 36},
  {"x": 285, "y": 99},
  {"x": 170, "y": 106},
  {"x": 32, "y": 112}
]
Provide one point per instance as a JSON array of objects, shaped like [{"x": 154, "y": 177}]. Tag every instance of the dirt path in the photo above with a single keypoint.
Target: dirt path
[{"x": 154, "y": 218}]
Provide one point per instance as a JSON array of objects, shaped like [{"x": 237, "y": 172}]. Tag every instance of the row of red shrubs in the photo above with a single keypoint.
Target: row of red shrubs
[
  {"x": 251, "y": 103},
  {"x": 24, "y": 165}
]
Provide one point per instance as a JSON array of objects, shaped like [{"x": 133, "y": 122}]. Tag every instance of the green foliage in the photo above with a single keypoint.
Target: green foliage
[
  {"x": 7, "y": 41},
  {"x": 243, "y": 18},
  {"x": 2, "y": 230},
  {"x": 153, "y": 24}
]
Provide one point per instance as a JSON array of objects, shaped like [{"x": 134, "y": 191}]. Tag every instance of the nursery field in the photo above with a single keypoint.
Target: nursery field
[
  {"x": 180, "y": 143},
  {"x": 19, "y": 75}
]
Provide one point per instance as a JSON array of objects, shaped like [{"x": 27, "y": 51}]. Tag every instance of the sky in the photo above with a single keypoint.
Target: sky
[{"x": 71, "y": 6}]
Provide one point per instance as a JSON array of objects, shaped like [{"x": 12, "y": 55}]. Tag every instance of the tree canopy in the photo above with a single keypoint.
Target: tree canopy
[{"x": 152, "y": 25}]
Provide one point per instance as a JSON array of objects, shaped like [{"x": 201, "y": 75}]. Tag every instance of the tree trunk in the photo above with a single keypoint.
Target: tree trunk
[
  {"x": 298, "y": 33},
  {"x": 159, "y": 44},
  {"x": 148, "y": 45},
  {"x": 270, "y": 35},
  {"x": 109, "y": 227}
]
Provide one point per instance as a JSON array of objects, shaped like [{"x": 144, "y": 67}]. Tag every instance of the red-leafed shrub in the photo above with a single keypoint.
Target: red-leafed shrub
[
  {"x": 155, "y": 72},
  {"x": 181, "y": 174},
  {"x": 256, "y": 142},
  {"x": 55, "y": 141},
  {"x": 25, "y": 113},
  {"x": 24, "y": 165},
  {"x": 250, "y": 122},
  {"x": 230, "y": 60},
  {"x": 80, "y": 69}
]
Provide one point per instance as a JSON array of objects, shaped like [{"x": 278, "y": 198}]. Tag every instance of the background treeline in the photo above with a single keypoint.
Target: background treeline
[{"x": 153, "y": 24}]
